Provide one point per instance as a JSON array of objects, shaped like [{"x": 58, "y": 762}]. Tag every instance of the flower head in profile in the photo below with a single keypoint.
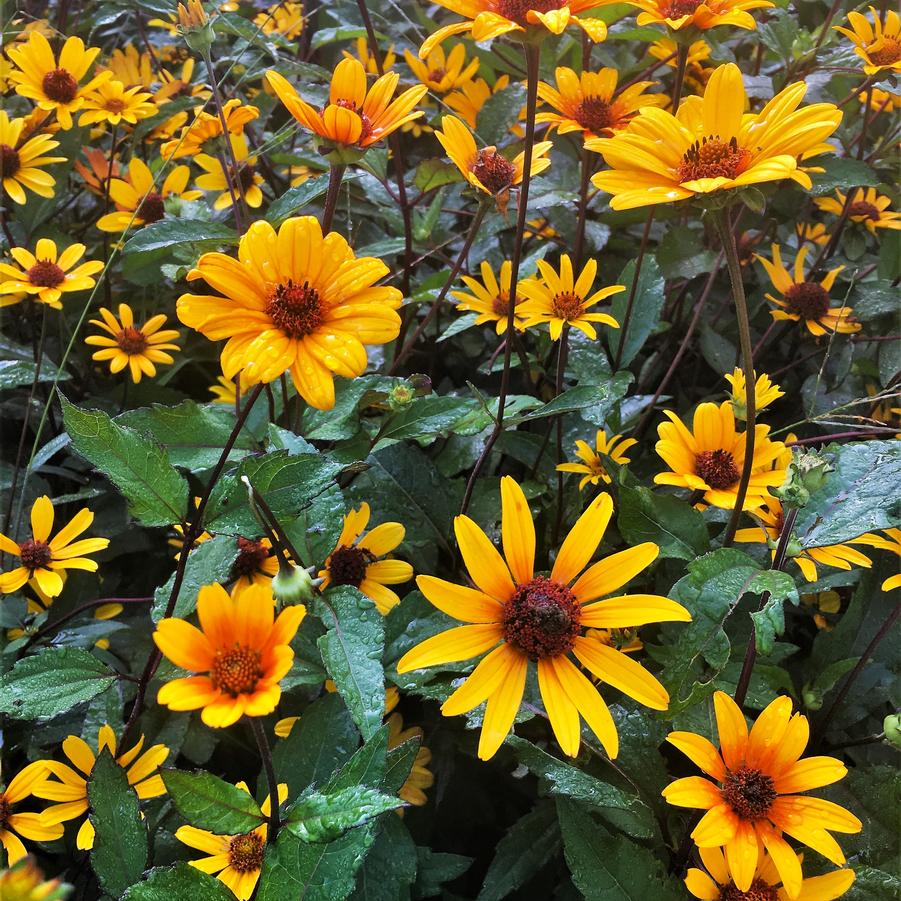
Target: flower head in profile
[
  {"x": 206, "y": 127},
  {"x": 703, "y": 14},
  {"x": 711, "y": 145},
  {"x": 890, "y": 541},
  {"x": 765, "y": 392},
  {"x": 467, "y": 101},
  {"x": 41, "y": 557},
  {"x": 238, "y": 656},
  {"x": 45, "y": 275},
  {"x": 490, "y": 297},
  {"x": 753, "y": 794},
  {"x": 217, "y": 176},
  {"x": 591, "y": 467},
  {"x": 22, "y": 162},
  {"x": 441, "y": 72},
  {"x": 16, "y": 826},
  {"x": 293, "y": 300},
  {"x": 878, "y": 43},
  {"x": 68, "y": 785},
  {"x": 225, "y": 390},
  {"x": 355, "y": 559},
  {"x": 421, "y": 777},
  {"x": 868, "y": 208},
  {"x": 110, "y": 102},
  {"x": 235, "y": 860},
  {"x": 23, "y": 881},
  {"x": 804, "y": 300},
  {"x": 560, "y": 299},
  {"x": 517, "y": 615}
]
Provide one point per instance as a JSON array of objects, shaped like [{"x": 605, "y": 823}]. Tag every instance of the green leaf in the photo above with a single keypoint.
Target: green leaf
[
  {"x": 157, "y": 493},
  {"x": 646, "y": 307},
  {"x": 295, "y": 199},
  {"x": 770, "y": 621},
  {"x": 672, "y": 524},
  {"x": 366, "y": 767},
  {"x": 15, "y": 373},
  {"x": 179, "y": 883},
  {"x": 318, "y": 818},
  {"x": 499, "y": 113},
  {"x": 400, "y": 763},
  {"x": 120, "y": 847},
  {"x": 426, "y": 417},
  {"x": 842, "y": 173},
  {"x": 592, "y": 402},
  {"x": 169, "y": 234},
  {"x": 435, "y": 173},
  {"x": 872, "y": 884},
  {"x": 681, "y": 253},
  {"x": 52, "y": 682},
  {"x": 436, "y": 868},
  {"x": 351, "y": 651},
  {"x": 390, "y": 866},
  {"x": 210, "y": 803}
]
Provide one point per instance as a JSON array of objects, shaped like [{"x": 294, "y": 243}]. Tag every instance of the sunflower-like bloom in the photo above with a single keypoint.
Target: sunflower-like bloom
[
  {"x": 354, "y": 561},
  {"x": 520, "y": 616},
  {"x": 490, "y": 297},
  {"x": 710, "y": 145},
  {"x": 696, "y": 73},
  {"x": 714, "y": 881},
  {"x": 442, "y": 73},
  {"x": 559, "y": 299},
  {"x": 891, "y": 542},
  {"x": 354, "y": 117},
  {"x": 592, "y": 467},
  {"x": 806, "y": 301},
  {"x": 239, "y": 655},
  {"x": 765, "y": 392},
  {"x": 588, "y": 102},
  {"x": 870, "y": 208},
  {"x": 246, "y": 180},
  {"x": 139, "y": 347},
  {"x": 467, "y": 101},
  {"x": 23, "y": 881},
  {"x": 814, "y": 232},
  {"x": 704, "y": 14},
  {"x": 224, "y": 391},
  {"x": 21, "y": 166},
  {"x": 711, "y": 456},
  {"x": 256, "y": 563},
  {"x": 50, "y": 84},
  {"x": 236, "y": 860},
  {"x": 27, "y": 825},
  {"x": 285, "y": 18},
  {"x": 882, "y": 101},
  {"x": 207, "y": 127},
  {"x": 46, "y": 274},
  {"x": 755, "y": 798},
  {"x": 295, "y": 300},
  {"x": 879, "y": 44},
  {"x": 111, "y": 102},
  {"x": 130, "y": 66},
  {"x": 69, "y": 788},
  {"x": 421, "y": 777},
  {"x": 42, "y": 557},
  {"x": 363, "y": 54}
]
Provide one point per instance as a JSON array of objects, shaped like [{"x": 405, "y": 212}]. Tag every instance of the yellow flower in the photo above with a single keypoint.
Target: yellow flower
[
  {"x": 27, "y": 825},
  {"x": 869, "y": 207},
  {"x": 295, "y": 300},
  {"x": 361, "y": 45},
  {"x": 206, "y": 127},
  {"x": 882, "y": 101},
  {"x": 804, "y": 300},
  {"x": 45, "y": 275},
  {"x": 21, "y": 166},
  {"x": 239, "y": 655},
  {"x": 224, "y": 390},
  {"x": 174, "y": 86},
  {"x": 490, "y": 298},
  {"x": 421, "y": 777},
  {"x": 112, "y": 103},
  {"x": 468, "y": 100},
  {"x": 560, "y": 299},
  {"x": 246, "y": 180},
  {"x": 765, "y": 392},
  {"x": 97, "y": 171},
  {"x": 815, "y": 232},
  {"x": 592, "y": 467},
  {"x": 139, "y": 348},
  {"x": 891, "y": 543},
  {"x": 440, "y": 73},
  {"x": 133, "y": 68},
  {"x": 879, "y": 44},
  {"x": 23, "y": 881},
  {"x": 354, "y": 560},
  {"x": 300, "y": 174},
  {"x": 755, "y": 796},
  {"x": 284, "y": 18},
  {"x": 519, "y": 616},
  {"x": 710, "y": 145},
  {"x": 192, "y": 16},
  {"x": 665, "y": 49},
  {"x": 704, "y": 14},
  {"x": 711, "y": 456},
  {"x": 256, "y": 564},
  {"x": 52, "y": 85},
  {"x": 588, "y": 102},
  {"x": 70, "y": 787},
  {"x": 237, "y": 859},
  {"x": 42, "y": 557}
]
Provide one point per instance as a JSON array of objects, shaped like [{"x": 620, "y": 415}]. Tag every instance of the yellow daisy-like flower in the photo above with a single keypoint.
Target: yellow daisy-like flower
[
  {"x": 51, "y": 85},
  {"x": 97, "y": 171},
  {"x": 42, "y": 557},
  {"x": 665, "y": 49},
  {"x": 130, "y": 66},
  {"x": 765, "y": 392},
  {"x": 139, "y": 348},
  {"x": 355, "y": 116},
  {"x": 704, "y": 14},
  {"x": 467, "y": 101},
  {"x": 111, "y": 102},
  {"x": 216, "y": 176},
  {"x": 294, "y": 301},
  {"x": 588, "y": 102},
  {"x": 490, "y": 297},
  {"x": 239, "y": 655},
  {"x": 207, "y": 127},
  {"x": 236, "y": 860},
  {"x": 592, "y": 467},
  {"x": 284, "y": 18},
  {"x": 23, "y": 881},
  {"x": 440, "y": 73},
  {"x": 519, "y": 616},
  {"x": 27, "y": 825},
  {"x": 45, "y": 275},
  {"x": 354, "y": 561},
  {"x": 882, "y": 101},
  {"x": 711, "y": 456},
  {"x": 361, "y": 46},
  {"x": 70, "y": 786},
  {"x": 224, "y": 390},
  {"x": 755, "y": 795},
  {"x": 891, "y": 542},
  {"x": 711, "y": 145},
  {"x": 869, "y": 208},
  {"x": 814, "y": 232},
  {"x": 806, "y": 301},
  {"x": 559, "y": 299},
  {"x": 256, "y": 564},
  {"x": 421, "y": 777},
  {"x": 877, "y": 44},
  {"x": 21, "y": 166},
  {"x": 181, "y": 85}
]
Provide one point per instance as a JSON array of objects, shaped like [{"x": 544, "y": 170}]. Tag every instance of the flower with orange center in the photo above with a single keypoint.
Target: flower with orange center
[
  {"x": 27, "y": 825},
  {"x": 140, "y": 348},
  {"x": 22, "y": 161},
  {"x": 46, "y": 274},
  {"x": 704, "y": 14},
  {"x": 877, "y": 44},
  {"x": 710, "y": 457},
  {"x": 256, "y": 563},
  {"x": 50, "y": 84},
  {"x": 518, "y": 616},
  {"x": 355, "y": 559},
  {"x": 294, "y": 300},
  {"x": 868, "y": 207},
  {"x": 218, "y": 174},
  {"x": 97, "y": 171},
  {"x": 442, "y": 73},
  {"x": 238, "y": 656},
  {"x": 710, "y": 145},
  {"x": 111, "y": 102},
  {"x": 467, "y": 101},
  {"x": 804, "y": 300},
  {"x": 753, "y": 794},
  {"x": 207, "y": 127},
  {"x": 490, "y": 297},
  {"x": 592, "y": 466},
  {"x": 588, "y": 102}
]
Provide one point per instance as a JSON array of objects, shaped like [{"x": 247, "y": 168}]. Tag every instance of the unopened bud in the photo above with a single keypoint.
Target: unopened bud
[
  {"x": 891, "y": 726},
  {"x": 421, "y": 384},
  {"x": 813, "y": 700},
  {"x": 400, "y": 396},
  {"x": 195, "y": 27},
  {"x": 806, "y": 474},
  {"x": 293, "y": 585}
]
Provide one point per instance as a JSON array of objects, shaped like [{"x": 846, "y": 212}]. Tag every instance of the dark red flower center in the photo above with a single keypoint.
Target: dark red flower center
[
  {"x": 367, "y": 122},
  {"x": 749, "y": 792},
  {"x": 717, "y": 468},
  {"x": 296, "y": 309},
  {"x": 567, "y": 305},
  {"x": 542, "y": 618},
  {"x": 348, "y": 565},
  {"x": 132, "y": 341},
  {"x": 237, "y": 670},
  {"x": 494, "y": 171},
  {"x": 759, "y": 891},
  {"x": 9, "y": 161},
  {"x": 4, "y": 812},
  {"x": 809, "y": 300},
  {"x": 516, "y": 10},
  {"x": 243, "y": 177},
  {"x": 151, "y": 208},
  {"x": 60, "y": 86},
  {"x": 675, "y": 9},
  {"x": 887, "y": 54},
  {"x": 437, "y": 75},
  {"x": 45, "y": 274},
  {"x": 114, "y": 105},
  {"x": 245, "y": 852},
  {"x": 501, "y": 304},
  {"x": 713, "y": 158},
  {"x": 864, "y": 209},
  {"x": 251, "y": 555},
  {"x": 595, "y": 114},
  {"x": 35, "y": 554}
]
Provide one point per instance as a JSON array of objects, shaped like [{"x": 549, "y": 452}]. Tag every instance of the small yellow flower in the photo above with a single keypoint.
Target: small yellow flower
[
  {"x": 891, "y": 542},
  {"x": 112, "y": 103},
  {"x": 882, "y": 101},
  {"x": 868, "y": 207},
  {"x": 224, "y": 390},
  {"x": 216, "y": 176},
  {"x": 46, "y": 275},
  {"x": 192, "y": 16},
  {"x": 256, "y": 564},
  {"x": 21, "y": 164},
  {"x": 877, "y": 44},
  {"x": 421, "y": 777},
  {"x": 490, "y": 298},
  {"x": 361, "y": 45},
  {"x": 765, "y": 392},
  {"x": 133, "y": 68},
  {"x": 592, "y": 467},
  {"x": 284, "y": 18},
  {"x": 23, "y": 881},
  {"x": 467, "y": 101},
  {"x": 208, "y": 126},
  {"x": 27, "y": 825},
  {"x": 815, "y": 232},
  {"x": 440, "y": 73},
  {"x": 704, "y": 14}
]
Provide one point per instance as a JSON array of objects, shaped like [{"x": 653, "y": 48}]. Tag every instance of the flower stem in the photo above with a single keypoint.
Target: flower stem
[
  {"x": 579, "y": 243},
  {"x": 266, "y": 757},
  {"x": 335, "y": 175},
  {"x": 679, "y": 81},
  {"x": 561, "y": 377},
  {"x": 633, "y": 290}
]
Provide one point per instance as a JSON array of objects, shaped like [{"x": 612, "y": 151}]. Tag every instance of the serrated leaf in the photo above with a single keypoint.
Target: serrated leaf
[
  {"x": 646, "y": 307},
  {"x": 769, "y": 622},
  {"x": 672, "y": 524},
  {"x": 366, "y": 767},
  {"x": 210, "y": 803},
  {"x": 16, "y": 373},
  {"x": 179, "y": 883},
  {"x": 499, "y": 113},
  {"x": 592, "y": 402},
  {"x": 390, "y": 866},
  {"x": 841, "y": 173},
  {"x": 320, "y": 818},
  {"x": 168, "y": 234}
]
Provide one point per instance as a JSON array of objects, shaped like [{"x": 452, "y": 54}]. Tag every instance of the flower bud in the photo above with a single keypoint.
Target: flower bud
[
  {"x": 195, "y": 27},
  {"x": 400, "y": 396},
  {"x": 806, "y": 475},
  {"x": 891, "y": 726},
  {"x": 293, "y": 585}
]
